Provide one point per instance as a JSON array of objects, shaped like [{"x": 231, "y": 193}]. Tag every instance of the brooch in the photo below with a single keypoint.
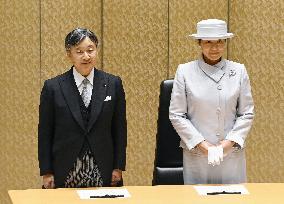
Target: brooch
[{"x": 232, "y": 73}]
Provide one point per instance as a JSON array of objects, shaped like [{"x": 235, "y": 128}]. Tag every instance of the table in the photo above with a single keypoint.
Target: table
[{"x": 260, "y": 193}]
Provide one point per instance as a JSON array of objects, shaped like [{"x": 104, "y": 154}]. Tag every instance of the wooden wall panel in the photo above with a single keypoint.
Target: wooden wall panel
[
  {"x": 58, "y": 18},
  {"x": 183, "y": 16},
  {"x": 258, "y": 44},
  {"x": 19, "y": 82},
  {"x": 135, "y": 48}
]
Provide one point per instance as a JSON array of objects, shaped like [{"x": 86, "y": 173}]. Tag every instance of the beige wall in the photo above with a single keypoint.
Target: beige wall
[
  {"x": 135, "y": 47},
  {"x": 19, "y": 88},
  {"x": 259, "y": 41},
  {"x": 184, "y": 15},
  {"x": 143, "y": 41}
]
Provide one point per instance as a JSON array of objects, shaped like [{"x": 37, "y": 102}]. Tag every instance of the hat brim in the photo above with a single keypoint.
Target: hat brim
[{"x": 196, "y": 36}]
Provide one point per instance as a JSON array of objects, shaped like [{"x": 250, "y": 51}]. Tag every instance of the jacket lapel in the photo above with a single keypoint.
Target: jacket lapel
[
  {"x": 70, "y": 93},
  {"x": 98, "y": 96}
]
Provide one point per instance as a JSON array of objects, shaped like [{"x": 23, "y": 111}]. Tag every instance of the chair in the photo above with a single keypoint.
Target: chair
[{"x": 168, "y": 165}]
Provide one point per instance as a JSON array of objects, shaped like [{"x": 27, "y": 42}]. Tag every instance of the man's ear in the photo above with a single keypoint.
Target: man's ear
[{"x": 68, "y": 53}]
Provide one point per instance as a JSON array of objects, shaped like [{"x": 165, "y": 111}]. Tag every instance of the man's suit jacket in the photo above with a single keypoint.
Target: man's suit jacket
[{"x": 61, "y": 131}]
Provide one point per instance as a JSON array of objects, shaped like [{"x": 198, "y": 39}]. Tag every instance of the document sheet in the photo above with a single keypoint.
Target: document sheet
[
  {"x": 103, "y": 193},
  {"x": 219, "y": 190}
]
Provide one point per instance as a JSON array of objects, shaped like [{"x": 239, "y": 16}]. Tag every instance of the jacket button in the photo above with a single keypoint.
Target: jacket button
[
  {"x": 218, "y": 111},
  {"x": 219, "y": 87}
]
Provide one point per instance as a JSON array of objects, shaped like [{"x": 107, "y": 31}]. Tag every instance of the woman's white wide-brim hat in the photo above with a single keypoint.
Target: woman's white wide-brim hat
[{"x": 212, "y": 29}]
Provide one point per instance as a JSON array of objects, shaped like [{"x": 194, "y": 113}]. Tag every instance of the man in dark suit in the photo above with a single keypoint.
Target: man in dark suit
[{"x": 82, "y": 121}]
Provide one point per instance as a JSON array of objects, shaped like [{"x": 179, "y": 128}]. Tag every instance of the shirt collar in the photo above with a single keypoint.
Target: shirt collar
[
  {"x": 79, "y": 78},
  {"x": 215, "y": 72}
]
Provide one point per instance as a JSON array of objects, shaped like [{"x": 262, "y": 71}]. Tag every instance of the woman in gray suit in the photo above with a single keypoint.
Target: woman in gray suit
[{"x": 212, "y": 110}]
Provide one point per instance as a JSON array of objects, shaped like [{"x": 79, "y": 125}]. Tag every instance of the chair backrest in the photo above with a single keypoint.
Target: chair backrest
[{"x": 168, "y": 156}]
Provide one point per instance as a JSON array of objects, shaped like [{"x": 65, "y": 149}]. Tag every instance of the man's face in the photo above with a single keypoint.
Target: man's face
[{"x": 83, "y": 56}]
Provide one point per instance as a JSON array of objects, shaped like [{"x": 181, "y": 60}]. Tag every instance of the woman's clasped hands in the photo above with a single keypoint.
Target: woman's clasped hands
[{"x": 216, "y": 153}]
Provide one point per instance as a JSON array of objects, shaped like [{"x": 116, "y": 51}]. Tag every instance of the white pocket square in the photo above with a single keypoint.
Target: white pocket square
[{"x": 108, "y": 98}]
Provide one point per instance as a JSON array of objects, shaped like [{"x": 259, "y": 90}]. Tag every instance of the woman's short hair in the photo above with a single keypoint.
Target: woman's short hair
[{"x": 77, "y": 35}]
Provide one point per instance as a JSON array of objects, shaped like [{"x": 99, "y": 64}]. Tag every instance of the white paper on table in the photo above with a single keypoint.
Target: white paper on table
[
  {"x": 85, "y": 194},
  {"x": 203, "y": 190}
]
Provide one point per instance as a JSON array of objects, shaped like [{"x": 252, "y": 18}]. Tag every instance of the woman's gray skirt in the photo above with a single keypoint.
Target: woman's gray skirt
[{"x": 196, "y": 169}]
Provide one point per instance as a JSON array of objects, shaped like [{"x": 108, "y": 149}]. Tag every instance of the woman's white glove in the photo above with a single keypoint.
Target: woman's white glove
[{"x": 215, "y": 155}]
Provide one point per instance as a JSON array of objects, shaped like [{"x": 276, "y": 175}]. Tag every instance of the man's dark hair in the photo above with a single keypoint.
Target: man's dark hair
[{"x": 77, "y": 35}]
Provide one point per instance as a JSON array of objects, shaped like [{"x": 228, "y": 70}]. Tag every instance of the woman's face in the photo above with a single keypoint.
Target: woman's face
[
  {"x": 83, "y": 56},
  {"x": 212, "y": 50}
]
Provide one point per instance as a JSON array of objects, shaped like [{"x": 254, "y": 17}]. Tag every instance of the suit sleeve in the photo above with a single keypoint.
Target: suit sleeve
[
  {"x": 245, "y": 112},
  {"x": 178, "y": 113},
  {"x": 45, "y": 130},
  {"x": 119, "y": 127}
]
